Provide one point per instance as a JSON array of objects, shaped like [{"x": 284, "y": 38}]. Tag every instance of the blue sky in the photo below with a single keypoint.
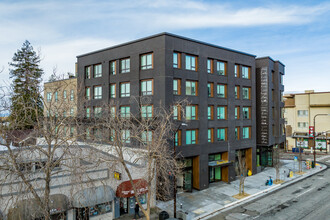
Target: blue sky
[{"x": 295, "y": 32}]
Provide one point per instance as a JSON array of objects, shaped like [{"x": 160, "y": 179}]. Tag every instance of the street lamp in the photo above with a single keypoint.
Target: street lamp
[
  {"x": 315, "y": 135},
  {"x": 174, "y": 173}
]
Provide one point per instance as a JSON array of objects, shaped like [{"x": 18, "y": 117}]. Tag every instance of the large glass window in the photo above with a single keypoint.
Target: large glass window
[
  {"x": 146, "y": 111},
  {"x": 210, "y": 89},
  {"x": 113, "y": 67},
  {"x": 221, "y": 91},
  {"x": 97, "y": 112},
  {"x": 125, "y": 111},
  {"x": 246, "y": 112},
  {"x": 209, "y": 65},
  {"x": 177, "y": 86},
  {"x": 191, "y": 88},
  {"x": 246, "y": 132},
  {"x": 146, "y": 87},
  {"x": 88, "y": 93},
  {"x": 177, "y": 60},
  {"x": 246, "y": 71},
  {"x": 126, "y": 136},
  {"x": 192, "y": 112},
  {"x": 210, "y": 112},
  {"x": 222, "y": 134},
  {"x": 191, "y": 136},
  {"x": 87, "y": 72},
  {"x": 97, "y": 92},
  {"x": 191, "y": 62},
  {"x": 246, "y": 92},
  {"x": 146, "y": 61},
  {"x": 125, "y": 65},
  {"x": 113, "y": 90},
  {"x": 146, "y": 137},
  {"x": 221, "y": 112},
  {"x": 221, "y": 68},
  {"x": 176, "y": 112},
  {"x": 210, "y": 136},
  {"x": 97, "y": 70},
  {"x": 125, "y": 89}
]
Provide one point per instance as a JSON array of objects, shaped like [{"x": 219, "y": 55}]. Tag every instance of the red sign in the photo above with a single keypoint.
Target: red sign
[
  {"x": 311, "y": 131},
  {"x": 125, "y": 189}
]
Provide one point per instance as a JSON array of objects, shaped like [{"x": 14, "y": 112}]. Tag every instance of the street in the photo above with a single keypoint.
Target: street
[{"x": 307, "y": 199}]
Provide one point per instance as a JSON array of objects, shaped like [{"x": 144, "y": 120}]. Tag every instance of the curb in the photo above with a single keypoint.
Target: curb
[{"x": 261, "y": 193}]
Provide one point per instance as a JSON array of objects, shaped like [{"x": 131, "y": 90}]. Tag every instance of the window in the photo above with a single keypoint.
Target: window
[
  {"x": 192, "y": 136},
  {"x": 87, "y": 72},
  {"x": 210, "y": 114},
  {"x": 222, "y": 134},
  {"x": 146, "y": 111},
  {"x": 210, "y": 135},
  {"x": 177, "y": 86},
  {"x": 64, "y": 114},
  {"x": 246, "y": 93},
  {"x": 87, "y": 134},
  {"x": 125, "y": 111},
  {"x": 237, "y": 133},
  {"x": 221, "y": 112},
  {"x": 302, "y": 113},
  {"x": 146, "y": 137},
  {"x": 191, "y": 88},
  {"x": 191, "y": 62},
  {"x": 221, "y": 68},
  {"x": 49, "y": 96},
  {"x": 126, "y": 136},
  {"x": 64, "y": 95},
  {"x": 112, "y": 135},
  {"x": 192, "y": 112},
  {"x": 97, "y": 70},
  {"x": 246, "y": 112},
  {"x": 71, "y": 111},
  {"x": 177, "y": 60},
  {"x": 56, "y": 96},
  {"x": 88, "y": 93},
  {"x": 125, "y": 65},
  {"x": 302, "y": 124},
  {"x": 113, "y": 67},
  {"x": 236, "y": 92},
  {"x": 210, "y": 89},
  {"x": 146, "y": 87},
  {"x": 71, "y": 131},
  {"x": 214, "y": 157},
  {"x": 221, "y": 91},
  {"x": 97, "y": 112},
  {"x": 177, "y": 138},
  {"x": 237, "y": 113},
  {"x": 246, "y": 72},
  {"x": 246, "y": 132},
  {"x": 209, "y": 65},
  {"x": 146, "y": 61},
  {"x": 88, "y": 112},
  {"x": 176, "y": 112},
  {"x": 236, "y": 70},
  {"x": 71, "y": 95},
  {"x": 125, "y": 89},
  {"x": 113, "y": 111},
  {"x": 113, "y": 90},
  {"x": 97, "y": 92}
]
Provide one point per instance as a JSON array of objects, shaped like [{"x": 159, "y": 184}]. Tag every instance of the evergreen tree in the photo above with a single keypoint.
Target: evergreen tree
[{"x": 26, "y": 101}]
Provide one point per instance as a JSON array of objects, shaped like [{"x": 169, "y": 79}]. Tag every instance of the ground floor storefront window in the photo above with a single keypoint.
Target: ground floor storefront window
[
  {"x": 99, "y": 209},
  {"x": 265, "y": 156}
]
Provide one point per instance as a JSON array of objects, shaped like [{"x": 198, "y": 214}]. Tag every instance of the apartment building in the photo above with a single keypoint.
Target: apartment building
[
  {"x": 300, "y": 110},
  {"x": 270, "y": 120},
  {"x": 219, "y": 83}
]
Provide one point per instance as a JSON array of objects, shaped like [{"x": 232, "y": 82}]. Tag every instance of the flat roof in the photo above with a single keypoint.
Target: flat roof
[
  {"x": 60, "y": 80},
  {"x": 268, "y": 57},
  {"x": 303, "y": 93},
  {"x": 168, "y": 34}
]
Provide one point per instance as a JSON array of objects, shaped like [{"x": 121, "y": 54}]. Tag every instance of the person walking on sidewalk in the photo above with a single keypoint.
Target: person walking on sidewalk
[{"x": 137, "y": 209}]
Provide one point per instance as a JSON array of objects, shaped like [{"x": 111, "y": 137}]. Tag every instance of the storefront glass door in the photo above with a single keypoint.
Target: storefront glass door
[{"x": 187, "y": 181}]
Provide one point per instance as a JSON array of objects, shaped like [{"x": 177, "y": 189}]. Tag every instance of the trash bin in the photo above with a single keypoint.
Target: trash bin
[
  {"x": 313, "y": 164},
  {"x": 163, "y": 215}
]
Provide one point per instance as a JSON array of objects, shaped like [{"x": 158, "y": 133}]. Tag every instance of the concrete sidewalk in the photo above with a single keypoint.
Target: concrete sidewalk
[{"x": 219, "y": 196}]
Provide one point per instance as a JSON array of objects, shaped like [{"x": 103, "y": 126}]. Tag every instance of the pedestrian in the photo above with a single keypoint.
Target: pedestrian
[{"x": 137, "y": 209}]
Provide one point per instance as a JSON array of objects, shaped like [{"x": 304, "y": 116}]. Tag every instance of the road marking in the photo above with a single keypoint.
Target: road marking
[{"x": 305, "y": 192}]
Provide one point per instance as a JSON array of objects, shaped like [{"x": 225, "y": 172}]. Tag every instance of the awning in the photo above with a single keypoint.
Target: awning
[
  {"x": 125, "y": 189},
  {"x": 219, "y": 163},
  {"x": 29, "y": 209},
  {"x": 92, "y": 196}
]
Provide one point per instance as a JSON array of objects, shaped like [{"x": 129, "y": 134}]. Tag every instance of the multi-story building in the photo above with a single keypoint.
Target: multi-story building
[
  {"x": 218, "y": 83},
  {"x": 270, "y": 120},
  {"x": 299, "y": 111}
]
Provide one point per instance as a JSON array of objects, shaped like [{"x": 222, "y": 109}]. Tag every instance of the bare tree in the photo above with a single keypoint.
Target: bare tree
[
  {"x": 145, "y": 137},
  {"x": 241, "y": 171}
]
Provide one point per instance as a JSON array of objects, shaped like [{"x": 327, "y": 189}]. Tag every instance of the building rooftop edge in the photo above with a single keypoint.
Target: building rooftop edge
[
  {"x": 60, "y": 80},
  {"x": 268, "y": 57},
  {"x": 302, "y": 93},
  {"x": 168, "y": 34}
]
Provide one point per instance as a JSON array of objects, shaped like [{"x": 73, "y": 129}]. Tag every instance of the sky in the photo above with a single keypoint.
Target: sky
[{"x": 295, "y": 32}]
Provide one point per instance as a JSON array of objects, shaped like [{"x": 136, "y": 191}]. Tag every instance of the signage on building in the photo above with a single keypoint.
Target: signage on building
[
  {"x": 264, "y": 108},
  {"x": 321, "y": 144},
  {"x": 311, "y": 131},
  {"x": 117, "y": 175}
]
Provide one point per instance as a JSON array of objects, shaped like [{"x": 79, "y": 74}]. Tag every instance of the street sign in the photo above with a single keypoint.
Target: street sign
[{"x": 311, "y": 131}]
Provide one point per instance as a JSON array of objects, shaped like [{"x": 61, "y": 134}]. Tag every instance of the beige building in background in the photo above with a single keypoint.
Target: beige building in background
[{"x": 299, "y": 112}]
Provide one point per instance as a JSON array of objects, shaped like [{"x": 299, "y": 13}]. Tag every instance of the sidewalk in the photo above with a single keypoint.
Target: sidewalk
[{"x": 201, "y": 204}]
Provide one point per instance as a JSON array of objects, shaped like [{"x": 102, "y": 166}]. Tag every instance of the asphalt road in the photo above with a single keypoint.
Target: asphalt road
[{"x": 307, "y": 199}]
